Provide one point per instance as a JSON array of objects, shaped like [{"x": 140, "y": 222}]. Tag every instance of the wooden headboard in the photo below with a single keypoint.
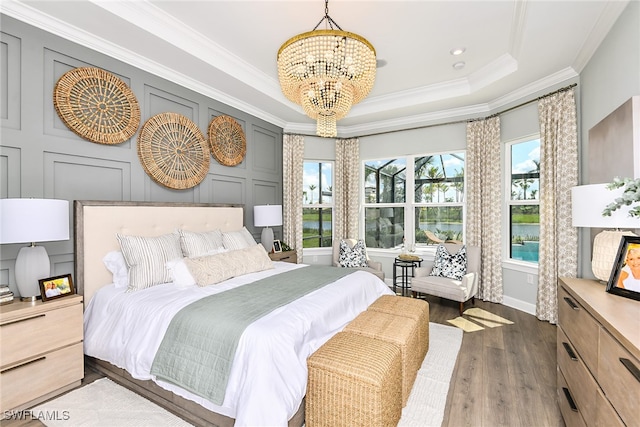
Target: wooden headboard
[{"x": 97, "y": 222}]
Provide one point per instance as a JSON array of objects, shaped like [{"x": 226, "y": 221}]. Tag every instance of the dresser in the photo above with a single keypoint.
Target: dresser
[
  {"x": 598, "y": 355},
  {"x": 285, "y": 256},
  {"x": 41, "y": 353}
]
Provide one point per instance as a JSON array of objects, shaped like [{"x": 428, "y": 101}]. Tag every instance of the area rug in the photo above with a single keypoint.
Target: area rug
[
  {"x": 477, "y": 319},
  {"x": 104, "y": 403},
  {"x": 428, "y": 398}
]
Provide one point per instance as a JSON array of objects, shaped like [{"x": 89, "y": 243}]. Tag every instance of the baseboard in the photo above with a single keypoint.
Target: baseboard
[{"x": 519, "y": 305}]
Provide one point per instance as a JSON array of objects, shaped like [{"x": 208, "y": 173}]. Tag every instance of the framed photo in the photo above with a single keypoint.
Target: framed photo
[
  {"x": 625, "y": 277},
  {"x": 56, "y": 287},
  {"x": 277, "y": 246}
]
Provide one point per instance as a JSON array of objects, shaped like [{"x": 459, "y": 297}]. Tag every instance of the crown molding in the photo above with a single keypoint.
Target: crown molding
[
  {"x": 27, "y": 14},
  {"x": 606, "y": 20}
]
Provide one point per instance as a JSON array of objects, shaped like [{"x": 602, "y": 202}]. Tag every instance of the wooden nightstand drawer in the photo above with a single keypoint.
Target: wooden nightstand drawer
[
  {"x": 606, "y": 416},
  {"x": 580, "y": 327},
  {"x": 287, "y": 256},
  {"x": 579, "y": 381},
  {"x": 36, "y": 377},
  {"x": 39, "y": 332},
  {"x": 615, "y": 367}
]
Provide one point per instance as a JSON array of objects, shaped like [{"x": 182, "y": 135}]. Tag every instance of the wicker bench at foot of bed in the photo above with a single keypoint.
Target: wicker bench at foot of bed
[
  {"x": 416, "y": 309},
  {"x": 354, "y": 380},
  {"x": 398, "y": 330}
]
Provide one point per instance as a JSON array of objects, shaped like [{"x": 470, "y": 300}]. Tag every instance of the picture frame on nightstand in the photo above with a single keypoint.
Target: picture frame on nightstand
[
  {"x": 277, "y": 246},
  {"x": 56, "y": 287},
  {"x": 625, "y": 276}
]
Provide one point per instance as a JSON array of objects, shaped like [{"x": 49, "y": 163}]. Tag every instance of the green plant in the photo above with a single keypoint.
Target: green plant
[
  {"x": 630, "y": 195},
  {"x": 285, "y": 247}
]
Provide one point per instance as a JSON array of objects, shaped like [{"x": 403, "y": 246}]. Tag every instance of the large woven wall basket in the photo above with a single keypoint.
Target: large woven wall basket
[
  {"x": 173, "y": 151},
  {"x": 96, "y": 105},
  {"x": 227, "y": 140}
]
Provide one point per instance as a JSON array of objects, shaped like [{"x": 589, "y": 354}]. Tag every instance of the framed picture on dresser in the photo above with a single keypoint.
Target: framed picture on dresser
[
  {"x": 56, "y": 287},
  {"x": 625, "y": 277}
]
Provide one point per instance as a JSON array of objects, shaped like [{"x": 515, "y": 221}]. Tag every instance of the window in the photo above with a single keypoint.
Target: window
[
  {"x": 436, "y": 200},
  {"x": 524, "y": 199},
  {"x": 317, "y": 204}
]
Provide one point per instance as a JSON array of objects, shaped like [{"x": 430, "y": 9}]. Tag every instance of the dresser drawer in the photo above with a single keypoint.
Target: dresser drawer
[
  {"x": 42, "y": 332},
  {"x": 579, "y": 380},
  {"x": 615, "y": 367},
  {"x": 606, "y": 416},
  {"x": 580, "y": 327},
  {"x": 41, "y": 375},
  {"x": 569, "y": 410}
]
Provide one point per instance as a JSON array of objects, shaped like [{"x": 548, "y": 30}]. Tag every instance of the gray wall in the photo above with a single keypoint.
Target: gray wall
[
  {"x": 41, "y": 157},
  {"x": 611, "y": 77}
]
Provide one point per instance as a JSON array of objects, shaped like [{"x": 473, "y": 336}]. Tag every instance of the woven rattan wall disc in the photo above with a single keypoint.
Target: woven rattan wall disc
[
  {"x": 227, "y": 141},
  {"x": 96, "y": 105},
  {"x": 173, "y": 151}
]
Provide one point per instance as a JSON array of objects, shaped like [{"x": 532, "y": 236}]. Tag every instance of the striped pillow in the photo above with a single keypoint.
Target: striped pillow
[
  {"x": 199, "y": 244},
  {"x": 240, "y": 239},
  {"x": 147, "y": 258}
]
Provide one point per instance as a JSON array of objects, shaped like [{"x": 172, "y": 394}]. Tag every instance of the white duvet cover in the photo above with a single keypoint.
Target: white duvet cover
[{"x": 269, "y": 373}]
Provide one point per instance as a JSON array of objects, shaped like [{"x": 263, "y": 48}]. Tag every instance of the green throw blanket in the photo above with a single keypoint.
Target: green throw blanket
[{"x": 199, "y": 346}]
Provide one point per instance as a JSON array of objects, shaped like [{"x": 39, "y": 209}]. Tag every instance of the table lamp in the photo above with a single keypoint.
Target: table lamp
[
  {"x": 31, "y": 221},
  {"x": 267, "y": 216},
  {"x": 587, "y": 204}
]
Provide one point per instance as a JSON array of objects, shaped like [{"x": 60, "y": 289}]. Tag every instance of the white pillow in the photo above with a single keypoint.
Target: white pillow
[
  {"x": 147, "y": 258},
  {"x": 239, "y": 239},
  {"x": 197, "y": 244},
  {"x": 115, "y": 263},
  {"x": 180, "y": 273}
]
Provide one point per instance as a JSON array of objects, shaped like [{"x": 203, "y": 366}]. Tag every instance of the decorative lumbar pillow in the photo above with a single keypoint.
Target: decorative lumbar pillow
[
  {"x": 453, "y": 266},
  {"x": 355, "y": 256},
  {"x": 239, "y": 239},
  {"x": 212, "y": 269},
  {"x": 147, "y": 258},
  {"x": 198, "y": 244},
  {"x": 115, "y": 263}
]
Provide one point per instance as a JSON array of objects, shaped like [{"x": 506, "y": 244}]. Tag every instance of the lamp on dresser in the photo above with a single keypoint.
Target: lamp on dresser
[
  {"x": 588, "y": 203},
  {"x": 267, "y": 216},
  {"x": 31, "y": 221}
]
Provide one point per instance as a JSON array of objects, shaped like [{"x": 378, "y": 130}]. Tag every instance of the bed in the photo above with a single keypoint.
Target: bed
[{"x": 123, "y": 330}]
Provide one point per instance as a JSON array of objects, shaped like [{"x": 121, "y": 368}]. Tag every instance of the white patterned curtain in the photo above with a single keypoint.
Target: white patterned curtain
[
  {"x": 558, "y": 173},
  {"x": 484, "y": 203},
  {"x": 346, "y": 189},
  {"x": 292, "y": 169}
]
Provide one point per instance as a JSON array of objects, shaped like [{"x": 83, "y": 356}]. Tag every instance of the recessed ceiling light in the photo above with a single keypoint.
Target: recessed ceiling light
[
  {"x": 459, "y": 65},
  {"x": 381, "y": 63},
  {"x": 457, "y": 51}
]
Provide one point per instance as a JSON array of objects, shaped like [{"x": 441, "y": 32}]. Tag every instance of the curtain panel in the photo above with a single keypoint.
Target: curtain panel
[
  {"x": 292, "y": 170},
  {"x": 558, "y": 255},
  {"x": 346, "y": 189},
  {"x": 484, "y": 203}
]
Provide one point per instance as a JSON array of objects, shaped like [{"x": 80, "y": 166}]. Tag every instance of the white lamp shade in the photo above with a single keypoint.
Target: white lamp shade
[
  {"x": 267, "y": 215},
  {"x": 33, "y": 220},
  {"x": 588, "y": 202}
]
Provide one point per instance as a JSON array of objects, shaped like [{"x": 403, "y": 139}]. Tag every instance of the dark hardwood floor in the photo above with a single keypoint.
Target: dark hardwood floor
[{"x": 504, "y": 376}]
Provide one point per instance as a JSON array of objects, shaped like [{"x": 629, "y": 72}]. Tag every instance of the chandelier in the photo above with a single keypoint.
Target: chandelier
[{"x": 326, "y": 72}]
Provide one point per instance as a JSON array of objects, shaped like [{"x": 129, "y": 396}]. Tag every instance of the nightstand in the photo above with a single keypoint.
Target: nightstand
[
  {"x": 285, "y": 256},
  {"x": 41, "y": 354}
]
